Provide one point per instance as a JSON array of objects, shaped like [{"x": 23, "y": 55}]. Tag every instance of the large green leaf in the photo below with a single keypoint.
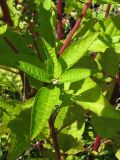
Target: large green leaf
[
  {"x": 18, "y": 41},
  {"x": 53, "y": 65},
  {"x": 71, "y": 126},
  {"x": 94, "y": 101},
  {"x": 109, "y": 36},
  {"x": 45, "y": 17},
  {"x": 9, "y": 58},
  {"x": 86, "y": 62},
  {"x": 100, "y": 123},
  {"x": 76, "y": 50},
  {"x": 82, "y": 86},
  {"x": 45, "y": 101},
  {"x": 34, "y": 71},
  {"x": 20, "y": 137},
  {"x": 66, "y": 103},
  {"x": 69, "y": 144},
  {"x": 74, "y": 75},
  {"x": 74, "y": 122},
  {"x": 106, "y": 60}
]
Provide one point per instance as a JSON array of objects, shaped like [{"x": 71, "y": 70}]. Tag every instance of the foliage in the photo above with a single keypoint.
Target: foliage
[{"x": 58, "y": 94}]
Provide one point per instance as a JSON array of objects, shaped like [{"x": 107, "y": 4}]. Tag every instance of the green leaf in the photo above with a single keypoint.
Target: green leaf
[
  {"x": 106, "y": 1},
  {"x": 94, "y": 101},
  {"x": 3, "y": 131},
  {"x": 118, "y": 154},
  {"x": 20, "y": 137},
  {"x": 71, "y": 129},
  {"x": 61, "y": 116},
  {"x": 3, "y": 29},
  {"x": 11, "y": 109},
  {"x": 100, "y": 123},
  {"x": 109, "y": 37},
  {"x": 76, "y": 50},
  {"x": 66, "y": 103},
  {"x": 53, "y": 63},
  {"x": 10, "y": 58},
  {"x": 86, "y": 62},
  {"x": 45, "y": 17},
  {"x": 47, "y": 4},
  {"x": 106, "y": 60},
  {"x": 45, "y": 101},
  {"x": 27, "y": 104},
  {"x": 69, "y": 144},
  {"x": 34, "y": 71},
  {"x": 72, "y": 157},
  {"x": 82, "y": 86},
  {"x": 15, "y": 38},
  {"x": 74, "y": 75},
  {"x": 9, "y": 79}
]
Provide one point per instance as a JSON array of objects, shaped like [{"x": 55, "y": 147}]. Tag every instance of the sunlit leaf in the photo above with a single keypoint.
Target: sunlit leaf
[{"x": 45, "y": 102}]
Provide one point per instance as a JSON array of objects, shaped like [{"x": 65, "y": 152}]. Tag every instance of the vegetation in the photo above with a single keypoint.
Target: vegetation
[{"x": 59, "y": 80}]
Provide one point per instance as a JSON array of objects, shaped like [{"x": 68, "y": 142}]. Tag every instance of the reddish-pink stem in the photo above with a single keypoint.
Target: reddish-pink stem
[
  {"x": 107, "y": 10},
  {"x": 54, "y": 138},
  {"x": 75, "y": 27},
  {"x": 6, "y": 13},
  {"x": 60, "y": 27},
  {"x": 97, "y": 143}
]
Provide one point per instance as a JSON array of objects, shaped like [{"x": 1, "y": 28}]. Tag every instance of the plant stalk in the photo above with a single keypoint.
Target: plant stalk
[
  {"x": 107, "y": 10},
  {"x": 6, "y": 13},
  {"x": 97, "y": 143},
  {"x": 54, "y": 138},
  {"x": 78, "y": 21}
]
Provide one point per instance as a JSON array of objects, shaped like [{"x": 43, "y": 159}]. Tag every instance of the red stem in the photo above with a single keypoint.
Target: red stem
[
  {"x": 107, "y": 10},
  {"x": 6, "y": 13},
  {"x": 60, "y": 27},
  {"x": 54, "y": 138},
  {"x": 97, "y": 143},
  {"x": 78, "y": 21}
]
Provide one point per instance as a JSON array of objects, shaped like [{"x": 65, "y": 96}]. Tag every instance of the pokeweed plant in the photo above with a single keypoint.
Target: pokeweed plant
[{"x": 73, "y": 80}]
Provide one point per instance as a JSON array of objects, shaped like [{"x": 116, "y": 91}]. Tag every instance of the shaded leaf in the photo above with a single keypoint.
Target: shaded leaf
[
  {"x": 94, "y": 101},
  {"x": 20, "y": 137},
  {"x": 100, "y": 123}
]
